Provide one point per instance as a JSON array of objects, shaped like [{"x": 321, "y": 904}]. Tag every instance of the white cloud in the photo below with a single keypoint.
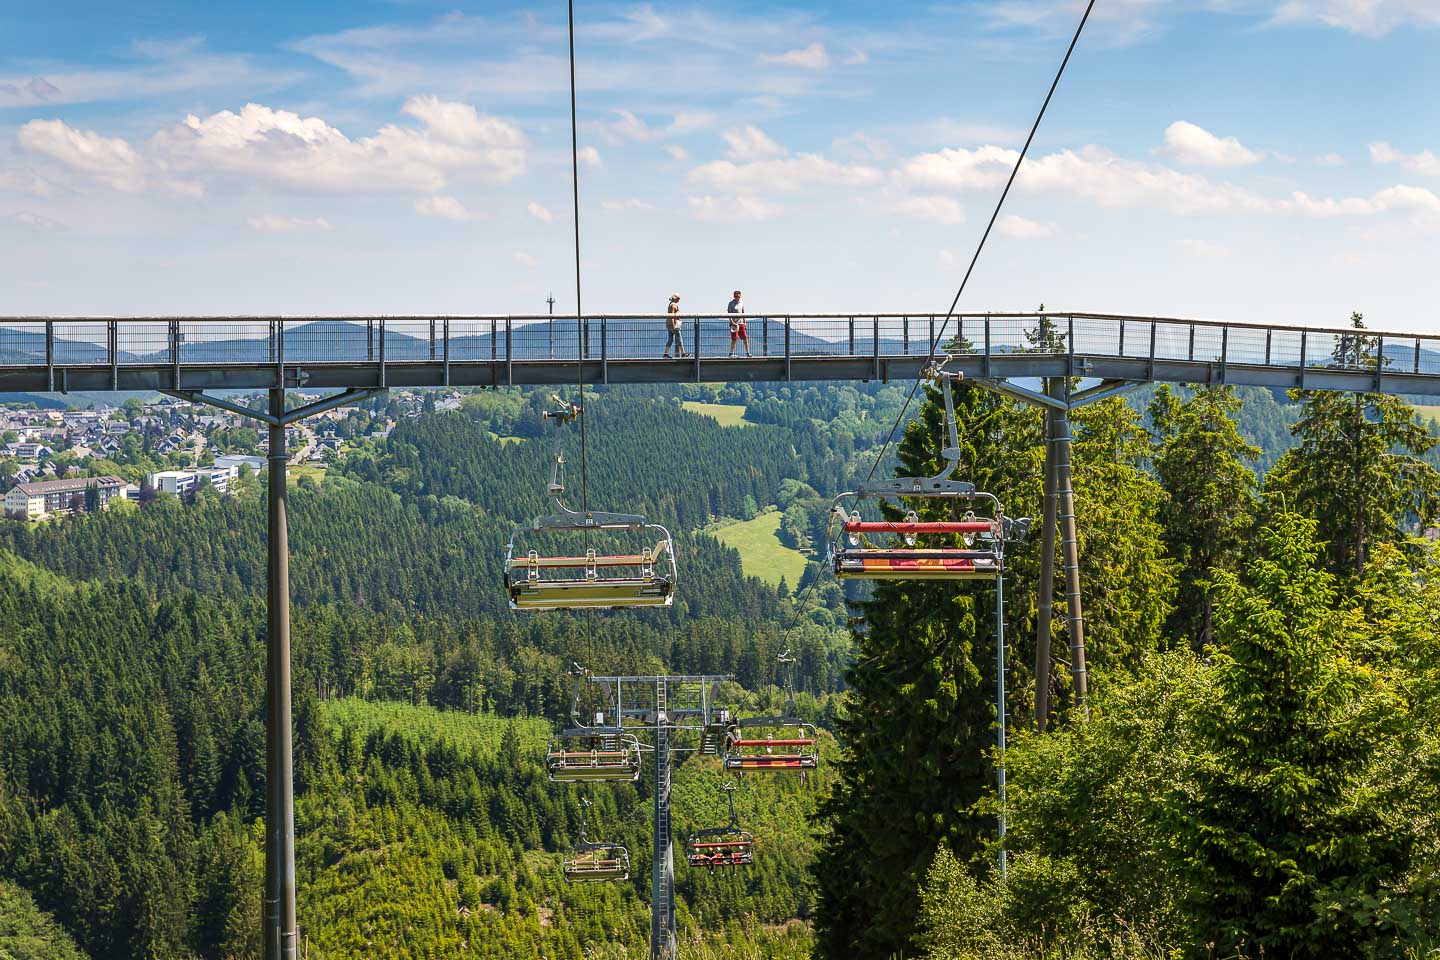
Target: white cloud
[
  {"x": 1204, "y": 249},
  {"x": 733, "y": 209},
  {"x": 959, "y": 169},
  {"x": 108, "y": 160},
  {"x": 813, "y": 57},
  {"x": 688, "y": 121},
  {"x": 23, "y": 181},
  {"x": 1423, "y": 203},
  {"x": 1099, "y": 176},
  {"x": 935, "y": 207},
  {"x": 786, "y": 175},
  {"x": 1424, "y": 163},
  {"x": 34, "y": 221},
  {"x": 539, "y": 212},
  {"x": 1370, "y": 17},
  {"x": 1199, "y": 147},
  {"x": 1020, "y": 228},
  {"x": 525, "y": 259},
  {"x": 445, "y": 208},
  {"x": 275, "y": 223},
  {"x": 152, "y": 69},
  {"x": 626, "y": 127},
  {"x": 283, "y": 149},
  {"x": 627, "y": 203},
  {"x": 749, "y": 144},
  {"x": 588, "y": 157},
  {"x": 677, "y": 152},
  {"x": 1329, "y": 160},
  {"x": 862, "y": 146}
]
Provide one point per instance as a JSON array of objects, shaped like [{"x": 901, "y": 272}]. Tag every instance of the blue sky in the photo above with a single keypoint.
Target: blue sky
[{"x": 1235, "y": 159}]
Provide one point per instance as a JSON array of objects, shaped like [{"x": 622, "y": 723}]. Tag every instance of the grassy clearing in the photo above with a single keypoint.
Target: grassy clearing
[
  {"x": 761, "y": 552},
  {"x": 314, "y": 471},
  {"x": 504, "y": 441},
  {"x": 725, "y": 414},
  {"x": 1428, "y": 411}
]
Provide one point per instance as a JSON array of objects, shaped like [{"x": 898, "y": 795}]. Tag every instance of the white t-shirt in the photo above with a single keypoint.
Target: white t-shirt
[{"x": 737, "y": 306}]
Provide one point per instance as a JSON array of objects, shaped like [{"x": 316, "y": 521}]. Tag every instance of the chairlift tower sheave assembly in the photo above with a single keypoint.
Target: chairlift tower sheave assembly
[{"x": 678, "y": 714}]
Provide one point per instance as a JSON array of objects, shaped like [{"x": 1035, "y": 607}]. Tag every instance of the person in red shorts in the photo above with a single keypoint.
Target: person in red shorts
[{"x": 737, "y": 325}]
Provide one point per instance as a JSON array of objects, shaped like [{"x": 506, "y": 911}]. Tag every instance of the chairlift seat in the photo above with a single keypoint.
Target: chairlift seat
[
  {"x": 745, "y": 753},
  {"x": 612, "y": 764},
  {"x": 915, "y": 565},
  {"x": 596, "y": 863}
]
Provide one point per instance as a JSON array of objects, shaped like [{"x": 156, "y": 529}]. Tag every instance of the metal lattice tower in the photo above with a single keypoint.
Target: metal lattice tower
[{"x": 664, "y": 709}]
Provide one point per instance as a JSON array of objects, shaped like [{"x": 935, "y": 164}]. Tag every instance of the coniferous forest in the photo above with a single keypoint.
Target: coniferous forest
[{"x": 1256, "y": 772}]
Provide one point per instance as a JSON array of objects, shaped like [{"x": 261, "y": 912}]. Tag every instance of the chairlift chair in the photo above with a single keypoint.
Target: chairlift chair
[
  {"x": 785, "y": 743},
  {"x": 726, "y": 846},
  {"x": 593, "y": 862},
  {"x": 896, "y": 551},
  {"x": 590, "y": 754},
  {"x": 593, "y": 752},
  {"x": 591, "y": 580}
]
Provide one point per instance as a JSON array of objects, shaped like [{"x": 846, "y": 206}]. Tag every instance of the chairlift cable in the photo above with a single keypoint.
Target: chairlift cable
[
  {"x": 939, "y": 337},
  {"x": 579, "y": 323}
]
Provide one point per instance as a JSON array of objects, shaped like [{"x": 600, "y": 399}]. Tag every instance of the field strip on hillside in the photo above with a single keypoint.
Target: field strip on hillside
[
  {"x": 761, "y": 552},
  {"x": 725, "y": 414}
]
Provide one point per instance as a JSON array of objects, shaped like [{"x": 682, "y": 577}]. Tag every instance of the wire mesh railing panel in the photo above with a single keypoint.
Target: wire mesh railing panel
[
  {"x": 82, "y": 344},
  {"x": 1095, "y": 336},
  {"x": 22, "y": 344},
  {"x": 413, "y": 340},
  {"x": 147, "y": 342},
  {"x": 1323, "y": 350},
  {"x": 1285, "y": 348},
  {"x": 896, "y": 339},
  {"x": 1008, "y": 334},
  {"x": 1172, "y": 341},
  {"x": 217, "y": 343},
  {"x": 820, "y": 338},
  {"x": 1209, "y": 344},
  {"x": 1245, "y": 346},
  {"x": 336, "y": 341},
  {"x": 1427, "y": 355},
  {"x": 1134, "y": 338},
  {"x": 475, "y": 339}
]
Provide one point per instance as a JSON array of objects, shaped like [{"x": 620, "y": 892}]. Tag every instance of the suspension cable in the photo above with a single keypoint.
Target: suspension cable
[
  {"x": 579, "y": 323},
  {"x": 939, "y": 337}
]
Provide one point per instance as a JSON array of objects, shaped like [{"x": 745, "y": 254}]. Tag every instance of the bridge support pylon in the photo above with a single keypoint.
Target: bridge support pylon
[
  {"x": 281, "y": 933},
  {"x": 1058, "y": 525}
]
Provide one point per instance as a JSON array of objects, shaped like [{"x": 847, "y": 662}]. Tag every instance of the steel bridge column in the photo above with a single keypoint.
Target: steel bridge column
[
  {"x": 662, "y": 867},
  {"x": 1070, "y": 549},
  {"x": 1047, "y": 573},
  {"x": 281, "y": 930}
]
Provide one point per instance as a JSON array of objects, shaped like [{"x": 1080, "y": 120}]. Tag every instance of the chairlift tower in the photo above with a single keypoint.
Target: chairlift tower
[{"x": 677, "y": 714}]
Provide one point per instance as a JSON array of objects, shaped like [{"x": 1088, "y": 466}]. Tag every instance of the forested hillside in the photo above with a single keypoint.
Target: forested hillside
[{"x": 1235, "y": 581}]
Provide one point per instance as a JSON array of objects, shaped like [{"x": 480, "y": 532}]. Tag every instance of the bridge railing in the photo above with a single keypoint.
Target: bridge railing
[{"x": 195, "y": 341}]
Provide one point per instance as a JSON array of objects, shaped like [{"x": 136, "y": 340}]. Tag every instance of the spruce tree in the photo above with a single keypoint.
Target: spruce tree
[
  {"x": 1281, "y": 841},
  {"x": 1202, "y": 461},
  {"x": 921, "y": 716},
  {"x": 1357, "y": 469}
]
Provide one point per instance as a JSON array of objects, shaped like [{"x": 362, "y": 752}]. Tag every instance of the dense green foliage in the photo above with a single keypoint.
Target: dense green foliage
[
  {"x": 1202, "y": 461},
  {"x": 921, "y": 716},
  {"x": 28, "y": 933},
  {"x": 1268, "y": 792}
]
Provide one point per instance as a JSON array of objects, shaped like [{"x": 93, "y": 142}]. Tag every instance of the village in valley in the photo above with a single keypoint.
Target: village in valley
[{"x": 60, "y": 461}]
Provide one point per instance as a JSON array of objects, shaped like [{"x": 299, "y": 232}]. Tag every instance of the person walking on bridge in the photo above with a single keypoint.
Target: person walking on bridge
[
  {"x": 672, "y": 325},
  {"x": 737, "y": 324}
]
